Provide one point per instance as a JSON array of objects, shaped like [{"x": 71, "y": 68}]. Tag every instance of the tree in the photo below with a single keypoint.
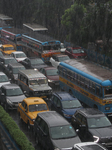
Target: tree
[{"x": 73, "y": 20}]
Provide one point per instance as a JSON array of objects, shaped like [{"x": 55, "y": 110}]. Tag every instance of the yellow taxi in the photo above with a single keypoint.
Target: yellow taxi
[
  {"x": 29, "y": 108},
  {"x": 7, "y": 49}
]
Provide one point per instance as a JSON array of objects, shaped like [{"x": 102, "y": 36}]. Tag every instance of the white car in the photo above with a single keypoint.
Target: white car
[
  {"x": 3, "y": 79},
  {"x": 56, "y": 59},
  {"x": 88, "y": 146},
  {"x": 19, "y": 56}
]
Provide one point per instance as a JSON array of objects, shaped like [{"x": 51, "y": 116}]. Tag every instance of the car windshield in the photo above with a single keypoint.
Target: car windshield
[
  {"x": 16, "y": 70},
  {"x": 3, "y": 78},
  {"x": 14, "y": 92},
  {"x": 52, "y": 72},
  {"x": 36, "y": 61},
  {"x": 1, "y": 54},
  {"x": 38, "y": 81},
  {"x": 62, "y": 132},
  {"x": 9, "y": 48},
  {"x": 37, "y": 107},
  {"x": 8, "y": 61},
  {"x": 63, "y": 58},
  {"x": 98, "y": 122},
  {"x": 75, "y": 51},
  {"x": 20, "y": 55},
  {"x": 92, "y": 147},
  {"x": 71, "y": 104}
]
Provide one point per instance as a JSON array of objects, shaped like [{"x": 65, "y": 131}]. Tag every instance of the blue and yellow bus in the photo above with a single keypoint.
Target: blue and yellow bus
[
  {"x": 89, "y": 82},
  {"x": 41, "y": 45},
  {"x": 5, "y": 22},
  {"x": 12, "y": 36}
]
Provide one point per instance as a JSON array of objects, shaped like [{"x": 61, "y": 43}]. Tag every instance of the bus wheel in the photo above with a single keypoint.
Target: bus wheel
[
  {"x": 95, "y": 106},
  {"x": 70, "y": 92}
]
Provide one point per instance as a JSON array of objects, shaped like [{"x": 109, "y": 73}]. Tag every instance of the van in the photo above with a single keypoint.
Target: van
[{"x": 34, "y": 83}]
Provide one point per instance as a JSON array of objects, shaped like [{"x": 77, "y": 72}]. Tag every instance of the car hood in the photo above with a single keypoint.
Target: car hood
[
  {"x": 40, "y": 87},
  {"x": 66, "y": 144},
  {"x": 39, "y": 66},
  {"x": 70, "y": 111},
  {"x": 34, "y": 114},
  {"x": 55, "y": 78},
  {"x": 16, "y": 98},
  {"x": 3, "y": 83},
  {"x": 20, "y": 59},
  {"x": 102, "y": 132}
]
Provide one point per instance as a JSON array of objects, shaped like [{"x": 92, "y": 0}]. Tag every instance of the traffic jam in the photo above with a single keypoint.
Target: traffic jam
[{"x": 47, "y": 92}]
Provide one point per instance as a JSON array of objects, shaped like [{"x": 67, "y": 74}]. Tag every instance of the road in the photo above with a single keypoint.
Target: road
[{"x": 23, "y": 127}]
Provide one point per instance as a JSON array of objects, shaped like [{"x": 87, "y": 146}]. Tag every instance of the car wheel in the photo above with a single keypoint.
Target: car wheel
[
  {"x": 5, "y": 107},
  {"x": 20, "y": 117},
  {"x": 29, "y": 126},
  {"x": 36, "y": 140}
]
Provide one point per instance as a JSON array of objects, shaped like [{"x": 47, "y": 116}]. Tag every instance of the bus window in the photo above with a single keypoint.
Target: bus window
[
  {"x": 97, "y": 91},
  {"x": 108, "y": 91},
  {"x": 86, "y": 84},
  {"x": 82, "y": 81}
]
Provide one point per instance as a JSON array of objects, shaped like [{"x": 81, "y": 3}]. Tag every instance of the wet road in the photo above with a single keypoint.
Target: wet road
[{"x": 23, "y": 127}]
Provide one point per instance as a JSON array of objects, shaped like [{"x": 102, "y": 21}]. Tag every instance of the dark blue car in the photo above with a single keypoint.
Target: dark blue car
[{"x": 64, "y": 104}]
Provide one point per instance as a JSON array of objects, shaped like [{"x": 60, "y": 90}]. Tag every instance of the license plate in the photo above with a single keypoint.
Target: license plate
[{"x": 43, "y": 96}]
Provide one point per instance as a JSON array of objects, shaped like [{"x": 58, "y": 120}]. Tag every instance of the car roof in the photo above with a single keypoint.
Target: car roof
[
  {"x": 90, "y": 112},
  {"x": 49, "y": 68},
  {"x": 64, "y": 96},
  {"x": 52, "y": 118},
  {"x": 16, "y": 65},
  {"x": 31, "y": 73},
  {"x": 34, "y": 100},
  {"x": 8, "y": 57},
  {"x": 17, "y": 52},
  {"x": 10, "y": 86}
]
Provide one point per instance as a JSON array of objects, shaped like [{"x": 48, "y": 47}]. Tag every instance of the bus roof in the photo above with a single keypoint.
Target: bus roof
[
  {"x": 35, "y": 27},
  {"x": 14, "y": 30},
  {"x": 4, "y": 17},
  {"x": 90, "y": 68},
  {"x": 40, "y": 37}
]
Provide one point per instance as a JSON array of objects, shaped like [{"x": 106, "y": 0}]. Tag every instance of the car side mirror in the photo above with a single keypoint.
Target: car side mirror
[{"x": 2, "y": 94}]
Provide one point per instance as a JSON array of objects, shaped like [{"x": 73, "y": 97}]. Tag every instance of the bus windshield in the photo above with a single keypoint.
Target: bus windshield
[{"x": 108, "y": 91}]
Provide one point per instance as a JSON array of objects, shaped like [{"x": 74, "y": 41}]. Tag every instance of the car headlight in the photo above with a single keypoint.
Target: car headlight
[
  {"x": 56, "y": 148},
  {"x": 9, "y": 102},
  {"x": 50, "y": 80},
  {"x": 35, "y": 69},
  {"x": 96, "y": 138},
  {"x": 66, "y": 115},
  {"x": 107, "y": 108}
]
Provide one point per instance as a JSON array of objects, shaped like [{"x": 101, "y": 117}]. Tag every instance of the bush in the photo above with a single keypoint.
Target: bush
[{"x": 18, "y": 136}]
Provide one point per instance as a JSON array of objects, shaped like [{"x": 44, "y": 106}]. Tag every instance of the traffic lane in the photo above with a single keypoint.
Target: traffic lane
[{"x": 29, "y": 134}]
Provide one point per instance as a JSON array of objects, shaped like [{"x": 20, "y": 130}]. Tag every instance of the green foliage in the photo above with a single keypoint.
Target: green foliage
[
  {"x": 73, "y": 20},
  {"x": 19, "y": 137}
]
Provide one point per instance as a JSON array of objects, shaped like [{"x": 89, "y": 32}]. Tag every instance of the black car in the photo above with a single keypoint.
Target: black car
[
  {"x": 5, "y": 60},
  {"x": 53, "y": 131},
  {"x": 93, "y": 125},
  {"x": 12, "y": 71},
  {"x": 10, "y": 96},
  {"x": 33, "y": 63}
]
